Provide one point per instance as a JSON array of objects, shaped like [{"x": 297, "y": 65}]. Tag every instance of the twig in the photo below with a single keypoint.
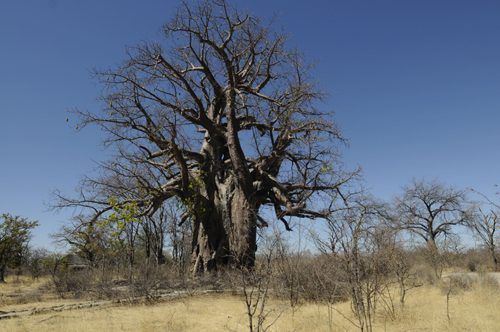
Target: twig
[{"x": 43, "y": 320}]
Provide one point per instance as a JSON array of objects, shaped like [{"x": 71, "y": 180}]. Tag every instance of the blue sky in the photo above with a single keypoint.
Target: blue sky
[{"x": 415, "y": 84}]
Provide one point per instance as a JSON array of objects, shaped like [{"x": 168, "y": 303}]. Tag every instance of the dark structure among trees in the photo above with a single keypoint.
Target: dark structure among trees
[
  {"x": 76, "y": 262},
  {"x": 222, "y": 116}
]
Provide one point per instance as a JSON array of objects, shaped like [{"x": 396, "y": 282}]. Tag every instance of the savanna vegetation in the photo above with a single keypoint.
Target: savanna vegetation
[
  {"x": 289, "y": 289},
  {"x": 362, "y": 272},
  {"x": 227, "y": 207}
]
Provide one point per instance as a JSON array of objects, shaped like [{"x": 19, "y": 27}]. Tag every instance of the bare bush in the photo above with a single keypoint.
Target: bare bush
[
  {"x": 361, "y": 247},
  {"x": 483, "y": 225},
  {"x": 32, "y": 260}
]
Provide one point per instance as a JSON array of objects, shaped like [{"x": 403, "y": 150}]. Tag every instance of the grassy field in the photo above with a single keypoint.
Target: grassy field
[{"x": 474, "y": 309}]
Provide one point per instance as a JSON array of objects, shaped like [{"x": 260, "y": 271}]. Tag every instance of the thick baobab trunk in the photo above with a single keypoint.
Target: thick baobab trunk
[
  {"x": 226, "y": 234},
  {"x": 243, "y": 235}
]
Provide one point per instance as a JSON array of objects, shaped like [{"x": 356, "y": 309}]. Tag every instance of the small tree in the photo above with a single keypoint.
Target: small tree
[
  {"x": 14, "y": 237},
  {"x": 32, "y": 260},
  {"x": 484, "y": 225},
  {"x": 55, "y": 263},
  {"x": 402, "y": 266},
  {"x": 86, "y": 239},
  {"x": 358, "y": 242},
  {"x": 152, "y": 236}
]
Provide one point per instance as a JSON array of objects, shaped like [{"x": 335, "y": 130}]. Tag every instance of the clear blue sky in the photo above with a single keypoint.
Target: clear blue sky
[{"x": 415, "y": 84}]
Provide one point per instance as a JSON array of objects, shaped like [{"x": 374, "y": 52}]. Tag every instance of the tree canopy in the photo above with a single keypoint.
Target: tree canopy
[
  {"x": 430, "y": 209},
  {"x": 14, "y": 236},
  {"x": 223, "y": 115}
]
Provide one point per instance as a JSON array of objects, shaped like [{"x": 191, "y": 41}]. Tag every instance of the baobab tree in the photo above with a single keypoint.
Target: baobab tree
[{"x": 222, "y": 115}]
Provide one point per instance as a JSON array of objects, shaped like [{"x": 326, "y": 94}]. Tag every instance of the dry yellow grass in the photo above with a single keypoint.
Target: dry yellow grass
[
  {"x": 19, "y": 284},
  {"x": 473, "y": 310},
  {"x": 22, "y": 293}
]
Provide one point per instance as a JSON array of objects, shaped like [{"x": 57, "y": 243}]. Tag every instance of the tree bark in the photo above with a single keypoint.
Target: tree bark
[{"x": 226, "y": 233}]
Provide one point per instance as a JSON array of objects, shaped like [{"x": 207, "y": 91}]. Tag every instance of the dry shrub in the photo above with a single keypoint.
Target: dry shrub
[
  {"x": 73, "y": 283},
  {"x": 489, "y": 281},
  {"x": 104, "y": 287},
  {"x": 425, "y": 274},
  {"x": 300, "y": 277},
  {"x": 457, "y": 283},
  {"x": 150, "y": 280},
  {"x": 26, "y": 298},
  {"x": 472, "y": 260},
  {"x": 88, "y": 283},
  {"x": 326, "y": 283}
]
